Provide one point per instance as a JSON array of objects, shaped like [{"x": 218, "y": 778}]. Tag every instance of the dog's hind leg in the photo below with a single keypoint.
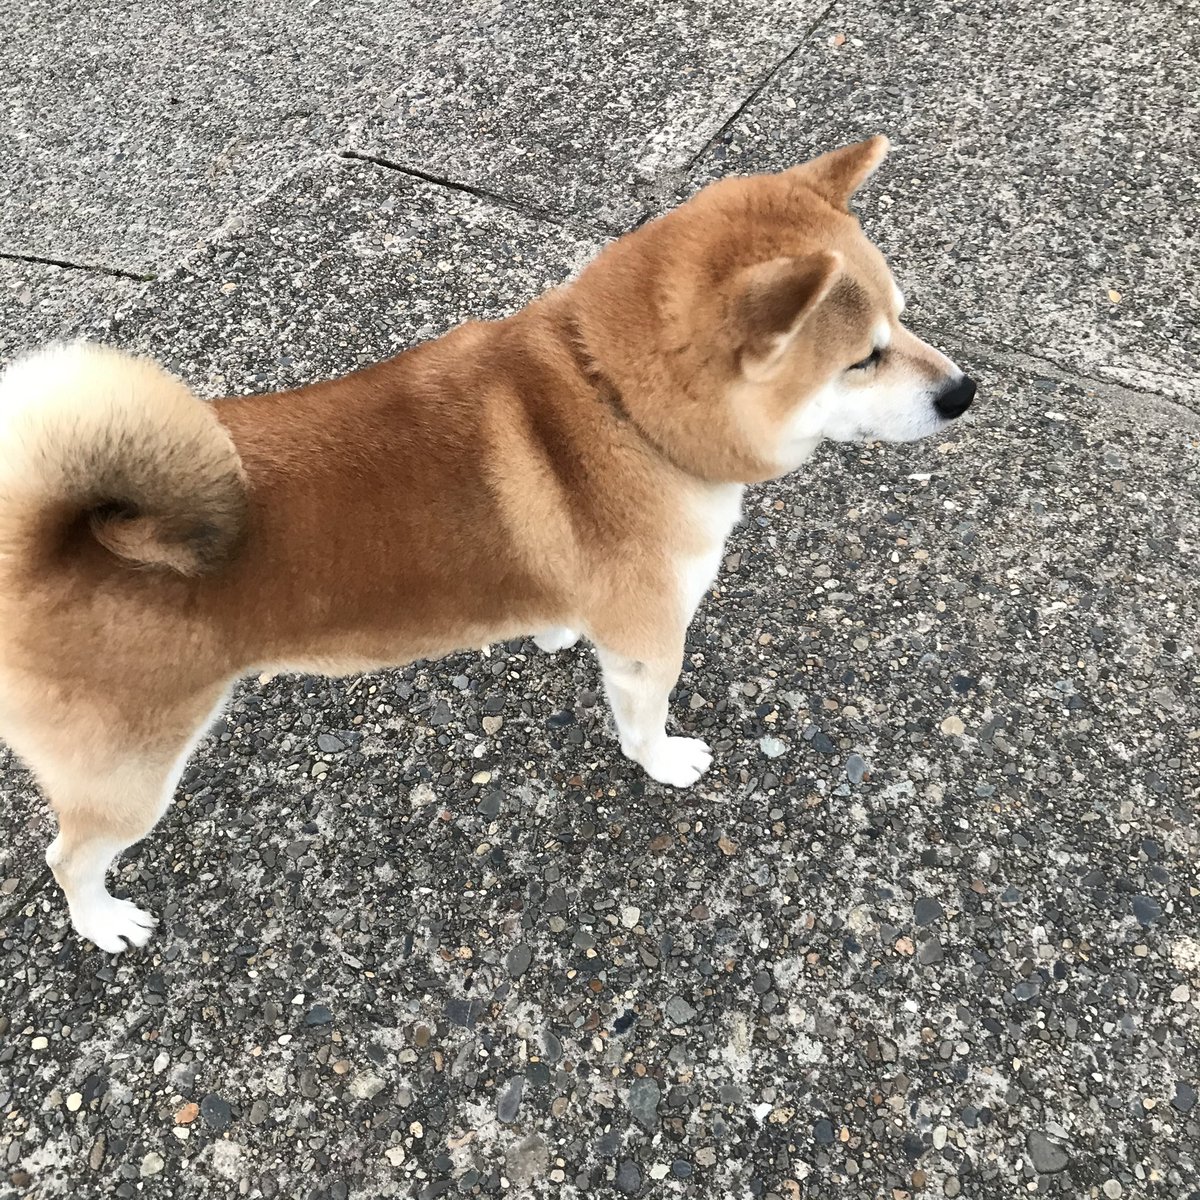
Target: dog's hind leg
[
  {"x": 88, "y": 841},
  {"x": 105, "y": 806}
]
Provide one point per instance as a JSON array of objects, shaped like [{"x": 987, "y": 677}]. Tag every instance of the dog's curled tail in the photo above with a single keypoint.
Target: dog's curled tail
[{"x": 97, "y": 444}]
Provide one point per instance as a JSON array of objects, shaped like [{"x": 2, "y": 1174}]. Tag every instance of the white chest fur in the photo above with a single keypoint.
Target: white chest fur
[{"x": 713, "y": 511}]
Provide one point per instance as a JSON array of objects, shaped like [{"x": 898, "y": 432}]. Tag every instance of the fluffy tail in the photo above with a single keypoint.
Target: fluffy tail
[{"x": 95, "y": 443}]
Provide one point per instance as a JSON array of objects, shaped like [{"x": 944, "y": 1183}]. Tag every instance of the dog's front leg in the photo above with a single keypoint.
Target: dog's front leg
[
  {"x": 638, "y": 690},
  {"x": 557, "y": 637}
]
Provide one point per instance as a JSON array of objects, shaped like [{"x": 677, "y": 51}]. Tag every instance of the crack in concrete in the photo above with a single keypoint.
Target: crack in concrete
[
  {"x": 93, "y": 268},
  {"x": 480, "y": 193},
  {"x": 761, "y": 86},
  {"x": 661, "y": 193}
]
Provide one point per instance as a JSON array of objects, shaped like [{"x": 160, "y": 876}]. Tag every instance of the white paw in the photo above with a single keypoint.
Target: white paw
[
  {"x": 114, "y": 925},
  {"x": 678, "y": 761},
  {"x": 558, "y": 638}
]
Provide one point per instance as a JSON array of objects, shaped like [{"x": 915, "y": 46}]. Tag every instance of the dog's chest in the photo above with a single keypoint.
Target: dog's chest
[{"x": 712, "y": 513}]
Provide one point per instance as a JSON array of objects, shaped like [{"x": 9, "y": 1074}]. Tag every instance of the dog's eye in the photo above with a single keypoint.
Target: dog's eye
[{"x": 869, "y": 361}]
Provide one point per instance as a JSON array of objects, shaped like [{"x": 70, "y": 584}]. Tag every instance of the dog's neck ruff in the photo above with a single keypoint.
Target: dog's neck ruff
[{"x": 610, "y": 394}]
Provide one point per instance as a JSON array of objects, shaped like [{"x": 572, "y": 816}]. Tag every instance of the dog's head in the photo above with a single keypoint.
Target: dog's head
[{"x": 757, "y": 319}]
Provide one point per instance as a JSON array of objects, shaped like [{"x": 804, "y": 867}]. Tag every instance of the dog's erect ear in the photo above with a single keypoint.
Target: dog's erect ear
[
  {"x": 774, "y": 299},
  {"x": 839, "y": 174}
]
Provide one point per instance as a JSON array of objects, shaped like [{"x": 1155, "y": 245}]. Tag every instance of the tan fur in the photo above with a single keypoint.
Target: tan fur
[{"x": 551, "y": 469}]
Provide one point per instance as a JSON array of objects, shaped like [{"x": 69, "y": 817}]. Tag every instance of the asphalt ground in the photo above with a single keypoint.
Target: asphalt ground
[{"x": 929, "y": 926}]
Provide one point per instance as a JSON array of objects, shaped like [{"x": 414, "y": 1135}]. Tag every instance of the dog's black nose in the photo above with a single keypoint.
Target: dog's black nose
[{"x": 955, "y": 399}]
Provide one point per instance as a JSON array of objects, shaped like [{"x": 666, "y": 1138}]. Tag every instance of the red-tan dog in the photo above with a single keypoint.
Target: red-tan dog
[{"x": 573, "y": 469}]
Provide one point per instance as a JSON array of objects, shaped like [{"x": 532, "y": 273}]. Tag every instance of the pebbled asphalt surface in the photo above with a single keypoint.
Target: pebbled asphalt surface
[{"x": 929, "y": 927}]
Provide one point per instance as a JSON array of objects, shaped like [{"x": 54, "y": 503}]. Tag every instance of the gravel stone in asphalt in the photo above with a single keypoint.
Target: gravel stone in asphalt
[
  {"x": 856, "y": 768},
  {"x": 629, "y": 1178},
  {"x": 1047, "y": 1157},
  {"x": 678, "y": 1011},
  {"x": 643, "y": 1101},
  {"x": 216, "y": 1112},
  {"x": 509, "y": 1103}
]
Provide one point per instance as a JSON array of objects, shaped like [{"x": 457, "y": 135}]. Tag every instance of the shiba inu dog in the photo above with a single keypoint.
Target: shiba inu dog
[{"x": 571, "y": 470}]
